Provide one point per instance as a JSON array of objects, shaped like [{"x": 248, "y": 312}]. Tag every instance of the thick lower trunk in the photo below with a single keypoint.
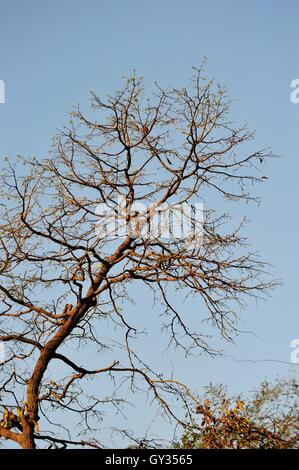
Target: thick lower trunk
[{"x": 27, "y": 441}]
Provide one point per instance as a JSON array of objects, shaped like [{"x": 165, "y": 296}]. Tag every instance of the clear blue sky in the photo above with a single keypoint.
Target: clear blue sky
[{"x": 52, "y": 53}]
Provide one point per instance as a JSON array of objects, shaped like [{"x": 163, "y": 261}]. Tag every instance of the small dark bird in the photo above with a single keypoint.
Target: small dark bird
[
  {"x": 168, "y": 161},
  {"x": 261, "y": 160}
]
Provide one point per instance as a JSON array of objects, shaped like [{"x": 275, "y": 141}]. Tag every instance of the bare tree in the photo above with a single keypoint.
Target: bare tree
[{"x": 62, "y": 273}]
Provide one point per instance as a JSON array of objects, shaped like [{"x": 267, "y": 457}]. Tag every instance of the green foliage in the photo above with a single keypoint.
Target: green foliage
[{"x": 268, "y": 418}]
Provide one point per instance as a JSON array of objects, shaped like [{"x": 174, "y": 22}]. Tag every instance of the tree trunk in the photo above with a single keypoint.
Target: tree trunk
[{"x": 27, "y": 441}]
